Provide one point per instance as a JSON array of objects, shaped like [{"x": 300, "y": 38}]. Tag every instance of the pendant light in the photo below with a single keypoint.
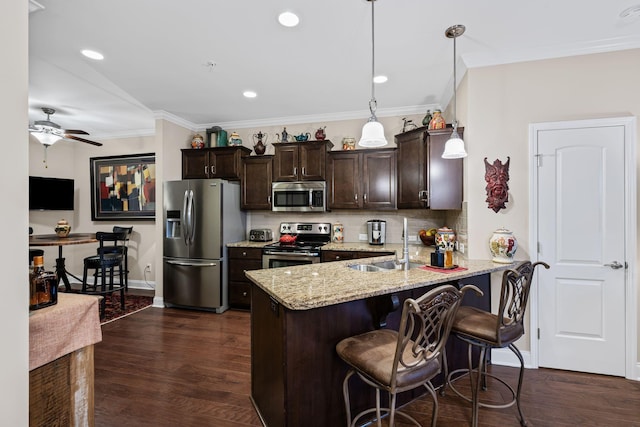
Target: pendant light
[
  {"x": 372, "y": 131},
  {"x": 454, "y": 148}
]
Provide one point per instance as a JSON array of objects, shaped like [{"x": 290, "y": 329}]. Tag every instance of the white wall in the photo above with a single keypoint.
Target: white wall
[
  {"x": 14, "y": 304},
  {"x": 501, "y": 103}
]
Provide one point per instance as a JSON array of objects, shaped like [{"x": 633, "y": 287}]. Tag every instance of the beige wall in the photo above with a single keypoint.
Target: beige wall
[
  {"x": 502, "y": 101},
  {"x": 69, "y": 159},
  {"x": 14, "y": 306}
]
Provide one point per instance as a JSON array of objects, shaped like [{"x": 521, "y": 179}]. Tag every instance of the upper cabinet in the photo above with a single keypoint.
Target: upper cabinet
[
  {"x": 215, "y": 162},
  {"x": 300, "y": 161},
  {"x": 362, "y": 179},
  {"x": 255, "y": 183},
  {"x": 425, "y": 179}
]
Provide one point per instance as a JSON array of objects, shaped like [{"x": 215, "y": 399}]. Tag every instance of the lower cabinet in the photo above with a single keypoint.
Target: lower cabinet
[
  {"x": 328, "y": 256},
  {"x": 241, "y": 260}
]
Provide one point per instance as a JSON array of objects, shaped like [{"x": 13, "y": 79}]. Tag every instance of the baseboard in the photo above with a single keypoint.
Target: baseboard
[
  {"x": 141, "y": 284},
  {"x": 505, "y": 357},
  {"x": 636, "y": 376},
  {"x": 158, "y": 302}
]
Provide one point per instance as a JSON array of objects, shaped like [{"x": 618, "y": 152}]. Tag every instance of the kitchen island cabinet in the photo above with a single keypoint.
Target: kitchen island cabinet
[
  {"x": 300, "y": 313},
  {"x": 362, "y": 179},
  {"x": 425, "y": 179}
]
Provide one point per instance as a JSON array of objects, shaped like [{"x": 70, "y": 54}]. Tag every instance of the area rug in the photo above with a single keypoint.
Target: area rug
[{"x": 132, "y": 304}]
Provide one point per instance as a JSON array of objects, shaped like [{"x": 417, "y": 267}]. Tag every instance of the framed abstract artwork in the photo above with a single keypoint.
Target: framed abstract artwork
[{"x": 123, "y": 187}]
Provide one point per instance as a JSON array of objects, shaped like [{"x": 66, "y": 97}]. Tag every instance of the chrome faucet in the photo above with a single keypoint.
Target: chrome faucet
[{"x": 405, "y": 247}]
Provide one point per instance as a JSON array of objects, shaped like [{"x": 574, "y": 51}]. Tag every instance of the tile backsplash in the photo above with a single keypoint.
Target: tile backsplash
[{"x": 355, "y": 222}]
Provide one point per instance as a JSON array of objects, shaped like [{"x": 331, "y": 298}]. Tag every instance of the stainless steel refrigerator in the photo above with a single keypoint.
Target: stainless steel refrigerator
[{"x": 200, "y": 217}]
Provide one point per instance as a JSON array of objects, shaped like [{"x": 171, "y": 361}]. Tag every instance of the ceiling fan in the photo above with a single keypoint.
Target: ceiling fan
[{"x": 48, "y": 132}]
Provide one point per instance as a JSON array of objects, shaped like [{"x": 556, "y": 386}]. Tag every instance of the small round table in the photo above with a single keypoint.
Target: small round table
[{"x": 55, "y": 240}]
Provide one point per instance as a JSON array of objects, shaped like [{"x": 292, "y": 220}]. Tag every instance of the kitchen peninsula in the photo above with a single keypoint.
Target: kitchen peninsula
[{"x": 298, "y": 314}]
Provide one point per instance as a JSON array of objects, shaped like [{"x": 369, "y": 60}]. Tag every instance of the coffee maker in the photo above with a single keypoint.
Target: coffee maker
[{"x": 376, "y": 231}]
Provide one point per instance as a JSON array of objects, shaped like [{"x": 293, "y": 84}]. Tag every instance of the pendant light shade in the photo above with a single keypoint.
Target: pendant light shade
[
  {"x": 454, "y": 148},
  {"x": 372, "y": 135},
  {"x": 372, "y": 131}
]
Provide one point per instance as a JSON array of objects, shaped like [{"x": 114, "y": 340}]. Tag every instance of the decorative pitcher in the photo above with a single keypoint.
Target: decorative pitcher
[
  {"x": 503, "y": 246},
  {"x": 445, "y": 238},
  {"x": 320, "y": 135},
  {"x": 437, "y": 122},
  {"x": 259, "y": 147},
  {"x": 282, "y": 137}
]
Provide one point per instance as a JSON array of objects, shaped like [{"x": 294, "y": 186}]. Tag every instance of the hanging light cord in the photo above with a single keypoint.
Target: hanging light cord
[
  {"x": 373, "y": 104},
  {"x": 455, "y": 103}
]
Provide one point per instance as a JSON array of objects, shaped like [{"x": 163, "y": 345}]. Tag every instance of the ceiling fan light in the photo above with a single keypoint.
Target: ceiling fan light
[
  {"x": 372, "y": 135},
  {"x": 454, "y": 147},
  {"x": 46, "y": 138}
]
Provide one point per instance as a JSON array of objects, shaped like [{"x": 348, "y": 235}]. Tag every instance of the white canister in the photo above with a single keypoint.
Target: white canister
[
  {"x": 503, "y": 246},
  {"x": 338, "y": 233}
]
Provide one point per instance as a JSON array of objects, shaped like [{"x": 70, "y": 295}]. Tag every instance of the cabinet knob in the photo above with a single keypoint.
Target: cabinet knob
[
  {"x": 356, "y": 197},
  {"x": 364, "y": 197},
  {"x": 244, "y": 254},
  {"x": 244, "y": 294},
  {"x": 337, "y": 256},
  {"x": 295, "y": 170},
  {"x": 304, "y": 171},
  {"x": 206, "y": 170}
]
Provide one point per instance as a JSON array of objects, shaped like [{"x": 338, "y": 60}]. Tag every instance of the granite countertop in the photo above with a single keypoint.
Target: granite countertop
[
  {"x": 311, "y": 286},
  {"x": 415, "y": 251},
  {"x": 248, "y": 244}
]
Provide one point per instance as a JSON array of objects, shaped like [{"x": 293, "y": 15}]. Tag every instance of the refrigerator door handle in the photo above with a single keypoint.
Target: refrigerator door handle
[
  {"x": 192, "y": 218},
  {"x": 183, "y": 218},
  {"x": 193, "y": 264}
]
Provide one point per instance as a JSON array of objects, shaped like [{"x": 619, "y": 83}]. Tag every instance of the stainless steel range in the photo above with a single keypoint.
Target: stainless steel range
[{"x": 299, "y": 243}]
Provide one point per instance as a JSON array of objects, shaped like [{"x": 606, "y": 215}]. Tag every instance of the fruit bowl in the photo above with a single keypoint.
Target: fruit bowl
[{"x": 428, "y": 237}]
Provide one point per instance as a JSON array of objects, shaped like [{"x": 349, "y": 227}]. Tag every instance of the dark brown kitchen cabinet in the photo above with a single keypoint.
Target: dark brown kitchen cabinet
[
  {"x": 425, "y": 179},
  {"x": 241, "y": 260},
  {"x": 362, "y": 179},
  {"x": 300, "y": 161},
  {"x": 328, "y": 256},
  {"x": 255, "y": 182},
  {"x": 215, "y": 162}
]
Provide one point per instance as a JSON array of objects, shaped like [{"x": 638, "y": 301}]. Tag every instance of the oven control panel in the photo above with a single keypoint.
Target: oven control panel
[{"x": 305, "y": 228}]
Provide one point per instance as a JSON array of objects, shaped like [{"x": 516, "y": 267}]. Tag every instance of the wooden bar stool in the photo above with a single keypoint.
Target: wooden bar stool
[
  {"x": 485, "y": 330},
  {"x": 397, "y": 361}
]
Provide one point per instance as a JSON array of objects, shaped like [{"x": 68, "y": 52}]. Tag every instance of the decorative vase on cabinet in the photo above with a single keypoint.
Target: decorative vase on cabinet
[{"x": 503, "y": 246}]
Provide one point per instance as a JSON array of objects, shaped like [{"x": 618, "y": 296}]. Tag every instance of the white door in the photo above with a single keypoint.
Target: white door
[{"x": 581, "y": 235}]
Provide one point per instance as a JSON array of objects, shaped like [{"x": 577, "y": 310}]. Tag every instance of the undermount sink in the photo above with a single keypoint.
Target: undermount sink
[{"x": 383, "y": 266}]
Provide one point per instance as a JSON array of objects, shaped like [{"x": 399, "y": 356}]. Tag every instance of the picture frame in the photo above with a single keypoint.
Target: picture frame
[{"x": 123, "y": 187}]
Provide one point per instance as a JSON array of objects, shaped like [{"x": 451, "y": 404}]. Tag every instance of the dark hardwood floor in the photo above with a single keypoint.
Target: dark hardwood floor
[{"x": 171, "y": 367}]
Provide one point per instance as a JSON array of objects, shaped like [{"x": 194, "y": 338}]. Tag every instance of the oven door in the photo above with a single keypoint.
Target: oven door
[{"x": 275, "y": 260}]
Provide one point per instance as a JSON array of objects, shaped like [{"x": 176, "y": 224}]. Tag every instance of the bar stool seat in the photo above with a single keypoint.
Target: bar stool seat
[
  {"x": 484, "y": 330},
  {"x": 397, "y": 361}
]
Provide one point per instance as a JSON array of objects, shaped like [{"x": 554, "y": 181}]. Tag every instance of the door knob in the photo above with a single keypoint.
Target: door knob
[{"x": 615, "y": 265}]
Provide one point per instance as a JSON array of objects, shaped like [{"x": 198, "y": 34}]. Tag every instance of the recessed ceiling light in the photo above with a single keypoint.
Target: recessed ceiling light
[
  {"x": 288, "y": 19},
  {"x": 249, "y": 94},
  {"x": 93, "y": 54},
  {"x": 380, "y": 79}
]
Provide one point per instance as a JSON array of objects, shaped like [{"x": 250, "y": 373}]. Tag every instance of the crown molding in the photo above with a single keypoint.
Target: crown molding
[
  {"x": 545, "y": 52},
  {"x": 315, "y": 118},
  {"x": 165, "y": 115},
  {"x": 133, "y": 133}
]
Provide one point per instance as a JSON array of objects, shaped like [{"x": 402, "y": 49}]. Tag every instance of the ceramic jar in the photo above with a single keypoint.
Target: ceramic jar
[
  {"x": 234, "y": 139},
  {"x": 338, "y": 233},
  {"x": 348, "y": 143},
  {"x": 62, "y": 228},
  {"x": 445, "y": 239},
  {"x": 437, "y": 121},
  {"x": 503, "y": 246},
  {"x": 197, "y": 141}
]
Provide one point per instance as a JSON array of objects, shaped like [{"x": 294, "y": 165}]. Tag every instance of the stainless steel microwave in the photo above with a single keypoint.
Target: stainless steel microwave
[{"x": 302, "y": 196}]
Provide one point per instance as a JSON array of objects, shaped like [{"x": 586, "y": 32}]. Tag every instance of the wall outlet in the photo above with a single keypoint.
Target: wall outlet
[
  {"x": 363, "y": 237},
  {"x": 413, "y": 238},
  {"x": 148, "y": 267},
  {"x": 460, "y": 247}
]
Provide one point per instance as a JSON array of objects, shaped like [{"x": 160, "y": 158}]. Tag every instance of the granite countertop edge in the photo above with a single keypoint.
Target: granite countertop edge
[{"x": 318, "y": 285}]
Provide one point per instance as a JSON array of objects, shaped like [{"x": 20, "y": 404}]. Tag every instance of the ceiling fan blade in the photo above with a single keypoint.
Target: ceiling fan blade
[
  {"x": 77, "y": 138},
  {"x": 76, "y": 131}
]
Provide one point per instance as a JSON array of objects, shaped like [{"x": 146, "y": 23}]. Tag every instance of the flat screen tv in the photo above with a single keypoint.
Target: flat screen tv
[{"x": 50, "y": 194}]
